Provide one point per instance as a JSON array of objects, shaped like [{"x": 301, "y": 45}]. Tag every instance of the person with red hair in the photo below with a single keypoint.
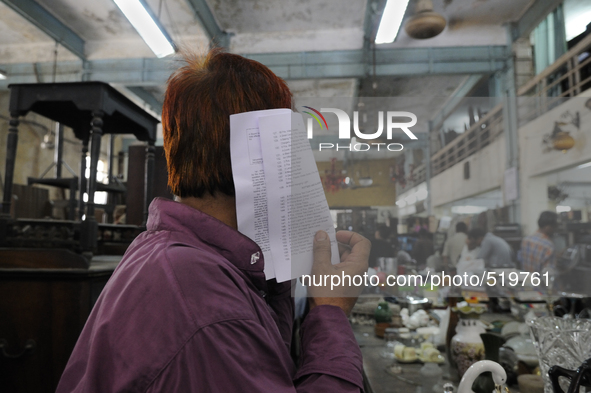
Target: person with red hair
[{"x": 188, "y": 309}]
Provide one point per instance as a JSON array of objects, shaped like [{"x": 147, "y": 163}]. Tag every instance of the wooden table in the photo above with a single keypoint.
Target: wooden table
[{"x": 91, "y": 109}]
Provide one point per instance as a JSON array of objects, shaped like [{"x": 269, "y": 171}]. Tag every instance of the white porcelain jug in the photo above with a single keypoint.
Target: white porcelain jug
[{"x": 498, "y": 374}]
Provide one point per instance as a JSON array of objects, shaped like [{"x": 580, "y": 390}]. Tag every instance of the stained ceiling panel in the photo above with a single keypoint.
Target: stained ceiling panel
[
  {"x": 243, "y": 16},
  {"x": 102, "y": 19},
  {"x": 14, "y": 29}
]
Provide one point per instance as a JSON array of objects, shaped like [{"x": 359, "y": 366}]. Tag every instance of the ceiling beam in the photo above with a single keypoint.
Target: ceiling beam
[
  {"x": 147, "y": 97},
  {"x": 389, "y": 62},
  {"x": 49, "y": 24},
  {"x": 532, "y": 17},
  {"x": 455, "y": 99},
  {"x": 290, "y": 66},
  {"x": 210, "y": 25},
  {"x": 373, "y": 14}
]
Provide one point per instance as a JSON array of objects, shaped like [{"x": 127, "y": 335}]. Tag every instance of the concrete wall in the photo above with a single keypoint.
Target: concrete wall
[
  {"x": 487, "y": 169},
  {"x": 537, "y": 161}
]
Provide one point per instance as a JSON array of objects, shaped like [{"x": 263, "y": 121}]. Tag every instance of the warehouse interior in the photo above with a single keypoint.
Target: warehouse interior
[{"x": 500, "y": 92}]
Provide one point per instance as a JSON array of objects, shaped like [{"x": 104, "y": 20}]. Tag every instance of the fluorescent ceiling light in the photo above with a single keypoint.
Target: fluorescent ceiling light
[
  {"x": 410, "y": 199},
  {"x": 563, "y": 209},
  {"x": 422, "y": 194},
  {"x": 407, "y": 210},
  {"x": 586, "y": 165},
  {"x": 3, "y": 75},
  {"x": 146, "y": 26},
  {"x": 468, "y": 209},
  {"x": 391, "y": 21},
  {"x": 577, "y": 24}
]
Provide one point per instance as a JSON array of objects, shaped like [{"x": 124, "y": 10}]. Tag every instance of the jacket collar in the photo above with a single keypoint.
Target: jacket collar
[{"x": 239, "y": 250}]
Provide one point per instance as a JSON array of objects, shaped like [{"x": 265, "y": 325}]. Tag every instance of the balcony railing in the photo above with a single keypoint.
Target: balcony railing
[
  {"x": 566, "y": 77},
  {"x": 414, "y": 178},
  {"x": 472, "y": 140}
]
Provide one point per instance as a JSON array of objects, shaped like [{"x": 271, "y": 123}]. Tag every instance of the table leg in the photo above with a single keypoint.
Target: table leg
[
  {"x": 82, "y": 181},
  {"x": 89, "y": 230},
  {"x": 95, "y": 151},
  {"x": 11, "y": 145}
]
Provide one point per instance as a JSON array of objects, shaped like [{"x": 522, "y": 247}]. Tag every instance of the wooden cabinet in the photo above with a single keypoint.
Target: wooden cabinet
[{"x": 45, "y": 299}]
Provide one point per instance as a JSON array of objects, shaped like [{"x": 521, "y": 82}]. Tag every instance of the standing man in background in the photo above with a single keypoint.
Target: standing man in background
[
  {"x": 454, "y": 245},
  {"x": 495, "y": 251},
  {"x": 380, "y": 246},
  {"x": 537, "y": 251},
  {"x": 423, "y": 248}
]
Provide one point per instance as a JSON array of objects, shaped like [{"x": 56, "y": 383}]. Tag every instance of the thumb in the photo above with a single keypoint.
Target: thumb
[{"x": 322, "y": 251}]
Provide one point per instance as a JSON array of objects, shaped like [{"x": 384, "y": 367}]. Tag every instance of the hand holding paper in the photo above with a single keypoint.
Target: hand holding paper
[{"x": 354, "y": 256}]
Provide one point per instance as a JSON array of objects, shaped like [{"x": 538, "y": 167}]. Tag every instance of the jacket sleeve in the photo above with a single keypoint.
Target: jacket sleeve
[
  {"x": 238, "y": 356},
  {"x": 325, "y": 330},
  {"x": 280, "y": 300},
  {"x": 331, "y": 358}
]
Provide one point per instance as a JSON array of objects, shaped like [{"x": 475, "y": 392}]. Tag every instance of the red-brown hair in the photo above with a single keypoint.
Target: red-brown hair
[{"x": 199, "y": 100}]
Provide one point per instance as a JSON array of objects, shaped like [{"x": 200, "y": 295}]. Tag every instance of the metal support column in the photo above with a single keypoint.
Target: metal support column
[
  {"x": 510, "y": 124},
  {"x": 428, "y": 169}
]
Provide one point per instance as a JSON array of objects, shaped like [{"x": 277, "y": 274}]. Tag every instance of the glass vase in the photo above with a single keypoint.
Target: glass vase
[{"x": 560, "y": 342}]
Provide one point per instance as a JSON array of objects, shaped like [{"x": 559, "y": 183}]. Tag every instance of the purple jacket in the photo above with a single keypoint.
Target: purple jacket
[{"x": 188, "y": 310}]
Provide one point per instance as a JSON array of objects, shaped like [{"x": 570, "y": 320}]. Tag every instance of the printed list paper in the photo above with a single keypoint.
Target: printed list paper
[
  {"x": 280, "y": 202},
  {"x": 297, "y": 205},
  {"x": 249, "y": 180}
]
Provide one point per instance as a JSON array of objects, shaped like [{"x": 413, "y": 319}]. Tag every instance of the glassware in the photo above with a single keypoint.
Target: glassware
[
  {"x": 390, "y": 339},
  {"x": 430, "y": 376},
  {"x": 560, "y": 342}
]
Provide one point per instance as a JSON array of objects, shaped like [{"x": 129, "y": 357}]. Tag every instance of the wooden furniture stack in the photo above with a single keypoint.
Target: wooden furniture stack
[{"x": 50, "y": 273}]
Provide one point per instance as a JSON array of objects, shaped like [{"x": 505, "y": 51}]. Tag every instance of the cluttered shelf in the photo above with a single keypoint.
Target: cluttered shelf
[
  {"x": 430, "y": 347},
  {"x": 375, "y": 366},
  {"x": 390, "y": 369}
]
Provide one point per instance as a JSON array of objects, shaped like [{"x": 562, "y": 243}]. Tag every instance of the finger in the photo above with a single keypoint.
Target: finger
[
  {"x": 360, "y": 246},
  {"x": 357, "y": 265},
  {"x": 350, "y": 238},
  {"x": 344, "y": 251},
  {"x": 322, "y": 251},
  {"x": 343, "y": 247}
]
